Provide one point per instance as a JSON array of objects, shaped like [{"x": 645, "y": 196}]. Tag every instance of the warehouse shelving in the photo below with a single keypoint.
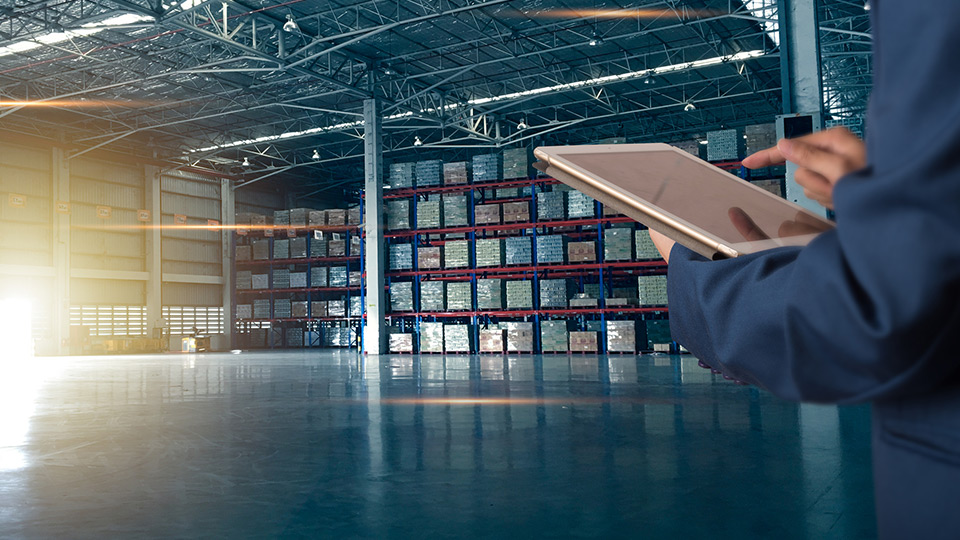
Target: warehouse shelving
[{"x": 312, "y": 325}]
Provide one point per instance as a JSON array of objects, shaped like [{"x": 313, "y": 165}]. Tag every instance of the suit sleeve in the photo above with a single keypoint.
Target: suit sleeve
[{"x": 870, "y": 310}]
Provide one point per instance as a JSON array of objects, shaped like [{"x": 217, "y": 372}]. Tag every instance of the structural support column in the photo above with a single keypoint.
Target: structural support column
[
  {"x": 375, "y": 331},
  {"x": 802, "y": 81},
  {"x": 227, "y": 220},
  {"x": 153, "y": 243},
  {"x": 61, "y": 251}
]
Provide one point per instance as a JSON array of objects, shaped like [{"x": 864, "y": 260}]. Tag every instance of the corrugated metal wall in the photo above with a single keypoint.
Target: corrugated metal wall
[
  {"x": 26, "y": 235},
  {"x": 249, "y": 199},
  {"x": 114, "y": 243},
  {"x": 190, "y": 251}
]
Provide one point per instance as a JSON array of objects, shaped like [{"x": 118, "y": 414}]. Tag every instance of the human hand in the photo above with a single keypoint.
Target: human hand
[
  {"x": 664, "y": 244},
  {"x": 823, "y": 158}
]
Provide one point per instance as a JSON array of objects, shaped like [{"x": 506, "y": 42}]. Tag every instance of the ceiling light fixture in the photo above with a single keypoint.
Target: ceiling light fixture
[
  {"x": 417, "y": 141},
  {"x": 595, "y": 40},
  {"x": 689, "y": 107},
  {"x": 316, "y": 155},
  {"x": 866, "y": 5},
  {"x": 246, "y": 162},
  {"x": 522, "y": 125},
  {"x": 290, "y": 25}
]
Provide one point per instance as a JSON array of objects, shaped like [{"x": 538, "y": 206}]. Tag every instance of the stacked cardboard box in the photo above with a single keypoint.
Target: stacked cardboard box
[
  {"x": 487, "y": 168},
  {"x": 583, "y": 300},
  {"x": 431, "y": 337},
  {"x": 337, "y": 276},
  {"x": 244, "y": 280},
  {"x": 244, "y": 253},
  {"x": 318, "y": 308},
  {"x": 298, "y": 280},
  {"x": 429, "y": 172},
  {"x": 401, "y": 343},
  {"x": 354, "y": 216},
  {"x": 432, "y": 296},
  {"x": 355, "y": 246},
  {"x": 490, "y": 294},
  {"x": 281, "y": 249},
  {"x": 516, "y": 163},
  {"x": 281, "y": 278},
  {"x": 456, "y": 338},
  {"x": 582, "y": 252},
  {"x": 244, "y": 311},
  {"x": 337, "y": 308},
  {"x": 281, "y": 308},
  {"x": 401, "y": 175},
  {"x": 428, "y": 215},
  {"x": 519, "y": 250},
  {"x": 551, "y": 206},
  {"x": 723, "y": 144},
  {"x": 652, "y": 290},
  {"x": 489, "y": 252},
  {"x": 261, "y": 249},
  {"x": 551, "y": 248},
  {"x": 401, "y": 296},
  {"x": 553, "y": 336},
  {"x": 516, "y": 212},
  {"x": 299, "y": 309},
  {"x": 281, "y": 218},
  {"x": 584, "y": 342},
  {"x": 318, "y": 276},
  {"x": 503, "y": 193},
  {"x": 261, "y": 308},
  {"x": 519, "y": 336},
  {"x": 645, "y": 246},
  {"x": 580, "y": 205},
  {"x": 658, "y": 333},
  {"x": 293, "y": 337},
  {"x": 760, "y": 137},
  {"x": 492, "y": 340},
  {"x": 456, "y": 254},
  {"x": 336, "y": 217},
  {"x": 318, "y": 247},
  {"x": 459, "y": 296},
  {"x": 455, "y": 211},
  {"x": 356, "y": 306},
  {"x": 622, "y": 336},
  {"x": 456, "y": 173},
  {"x": 317, "y": 218},
  {"x": 401, "y": 256},
  {"x": 298, "y": 247},
  {"x": 553, "y": 293},
  {"x": 299, "y": 216},
  {"x": 429, "y": 257},
  {"x": 260, "y": 281},
  {"x": 618, "y": 244},
  {"x": 398, "y": 214},
  {"x": 257, "y": 337},
  {"x": 520, "y": 294},
  {"x": 354, "y": 278},
  {"x": 486, "y": 214}
]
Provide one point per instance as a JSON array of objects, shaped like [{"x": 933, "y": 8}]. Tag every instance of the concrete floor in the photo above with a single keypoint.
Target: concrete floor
[{"x": 322, "y": 445}]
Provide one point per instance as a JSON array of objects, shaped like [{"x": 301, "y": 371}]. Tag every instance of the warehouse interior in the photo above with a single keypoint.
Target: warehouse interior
[{"x": 287, "y": 269}]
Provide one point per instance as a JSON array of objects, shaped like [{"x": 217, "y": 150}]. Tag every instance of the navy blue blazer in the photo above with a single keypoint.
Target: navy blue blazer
[{"x": 869, "y": 312}]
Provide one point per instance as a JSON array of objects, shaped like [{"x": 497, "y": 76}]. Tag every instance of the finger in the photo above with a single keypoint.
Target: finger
[
  {"x": 763, "y": 158},
  {"x": 813, "y": 181},
  {"x": 828, "y": 164},
  {"x": 745, "y": 225},
  {"x": 842, "y": 141}
]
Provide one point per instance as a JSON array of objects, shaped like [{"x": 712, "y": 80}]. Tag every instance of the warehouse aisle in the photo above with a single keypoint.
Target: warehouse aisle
[{"x": 321, "y": 444}]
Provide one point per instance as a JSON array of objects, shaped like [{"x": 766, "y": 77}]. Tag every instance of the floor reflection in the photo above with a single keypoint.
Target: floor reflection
[{"x": 331, "y": 443}]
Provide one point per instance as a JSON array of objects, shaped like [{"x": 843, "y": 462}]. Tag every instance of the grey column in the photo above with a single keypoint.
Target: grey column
[
  {"x": 154, "y": 257},
  {"x": 227, "y": 220},
  {"x": 61, "y": 252},
  {"x": 801, "y": 78},
  {"x": 375, "y": 331}
]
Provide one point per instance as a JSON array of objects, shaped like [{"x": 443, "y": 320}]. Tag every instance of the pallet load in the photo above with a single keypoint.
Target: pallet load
[
  {"x": 281, "y": 308},
  {"x": 318, "y": 247},
  {"x": 401, "y": 175},
  {"x": 318, "y": 309},
  {"x": 489, "y": 252},
  {"x": 316, "y": 218},
  {"x": 401, "y": 256},
  {"x": 618, "y": 244},
  {"x": 298, "y": 248},
  {"x": 459, "y": 296},
  {"x": 516, "y": 212},
  {"x": 356, "y": 307},
  {"x": 433, "y": 296},
  {"x": 646, "y": 249},
  {"x": 337, "y": 276},
  {"x": 553, "y": 336},
  {"x": 260, "y": 281},
  {"x": 492, "y": 340},
  {"x": 298, "y": 280},
  {"x": 354, "y": 216},
  {"x": 354, "y": 278},
  {"x": 553, "y": 293},
  {"x": 518, "y": 250},
  {"x": 318, "y": 276},
  {"x": 428, "y": 258},
  {"x": 652, "y": 290},
  {"x": 261, "y": 249},
  {"x": 622, "y": 336},
  {"x": 582, "y": 252},
  {"x": 398, "y": 215},
  {"x": 551, "y": 248},
  {"x": 584, "y": 300},
  {"x": 580, "y": 205},
  {"x": 723, "y": 145},
  {"x": 486, "y": 214},
  {"x": 551, "y": 206},
  {"x": 244, "y": 253},
  {"x": 336, "y": 246},
  {"x": 299, "y": 309},
  {"x": 456, "y": 338},
  {"x": 456, "y": 173},
  {"x": 456, "y": 254},
  {"x": 281, "y": 278},
  {"x": 299, "y": 216},
  {"x": 454, "y": 210},
  {"x": 261, "y": 309},
  {"x": 244, "y": 280},
  {"x": 337, "y": 308},
  {"x": 244, "y": 311},
  {"x": 294, "y": 337},
  {"x": 520, "y": 294},
  {"x": 490, "y": 294},
  {"x": 401, "y": 296},
  {"x": 281, "y": 249},
  {"x": 281, "y": 218},
  {"x": 428, "y": 173},
  {"x": 401, "y": 343},
  {"x": 519, "y": 336},
  {"x": 516, "y": 163},
  {"x": 431, "y": 337},
  {"x": 429, "y": 214},
  {"x": 487, "y": 168}
]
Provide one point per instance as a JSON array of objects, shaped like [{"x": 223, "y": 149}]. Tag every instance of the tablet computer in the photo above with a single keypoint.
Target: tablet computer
[{"x": 702, "y": 207}]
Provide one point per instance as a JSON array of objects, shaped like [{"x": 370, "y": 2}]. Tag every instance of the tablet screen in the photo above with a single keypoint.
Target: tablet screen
[{"x": 699, "y": 194}]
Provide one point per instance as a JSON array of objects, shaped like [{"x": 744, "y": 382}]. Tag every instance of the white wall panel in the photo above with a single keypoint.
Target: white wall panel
[
  {"x": 106, "y": 292},
  {"x": 190, "y": 294}
]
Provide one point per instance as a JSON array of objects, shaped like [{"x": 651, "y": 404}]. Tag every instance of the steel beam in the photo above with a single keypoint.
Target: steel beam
[{"x": 375, "y": 331}]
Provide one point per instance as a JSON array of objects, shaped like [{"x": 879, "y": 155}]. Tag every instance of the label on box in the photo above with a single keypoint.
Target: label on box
[
  {"x": 63, "y": 207},
  {"x": 268, "y": 232},
  {"x": 17, "y": 201},
  {"x": 241, "y": 232},
  {"x": 291, "y": 232},
  {"x": 213, "y": 224},
  {"x": 179, "y": 219},
  {"x": 104, "y": 212},
  {"x": 143, "y": 216}
]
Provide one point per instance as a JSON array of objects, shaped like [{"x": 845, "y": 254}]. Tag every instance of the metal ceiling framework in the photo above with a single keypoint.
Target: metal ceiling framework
[{"x": 208, "y": 83}]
